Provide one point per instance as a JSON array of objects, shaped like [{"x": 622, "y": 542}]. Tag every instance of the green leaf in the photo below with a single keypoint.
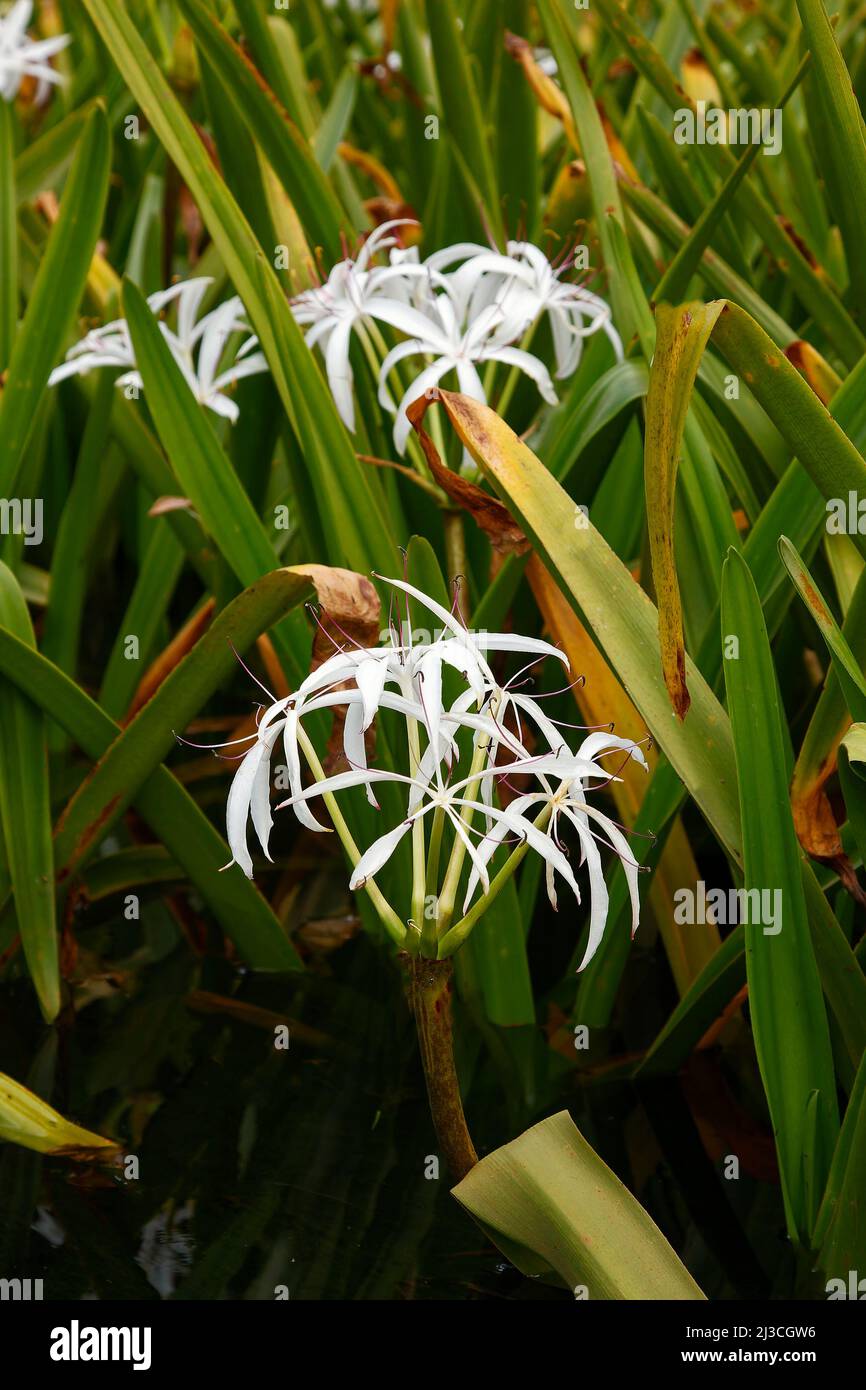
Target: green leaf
[
  {"x": 674, "y": 283},
  {"x": 461, "y": 108},
  {"x": 282, "y": 144},
  {"x": 620, "y": 616},
  {"x": 8, "y": 235},
  {"x": 698, "y": 1009},
  {"x": 336, "y": 119},
  {"x": 151, "y": 735},
  {"x": 840, "y": 1231},
  {"x": 59, "y": 285},
  {"x": 165, "y": 805},
  {"x": 845, "y": 663},
  {"x": 551, "y": 1204},
  {"x": 160, "y": 571},
  {"x": 812, "y": 287},
  {"x": 789, "y": 1020},
  {"x": 836, "y": 94},
  {"x": 852, "y": 775},
  {"x": 631, "y": 311},
  {"x": 46, "y": 158},
  {"x": 681, "y": 336},
  {"x": 203, "y": 471},
  {"x": 25, "y": 811},
  {"x": 354, "y": 516}
]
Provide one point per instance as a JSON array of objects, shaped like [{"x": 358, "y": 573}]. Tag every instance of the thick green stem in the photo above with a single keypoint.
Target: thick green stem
[{"x": 430, "y": 987}]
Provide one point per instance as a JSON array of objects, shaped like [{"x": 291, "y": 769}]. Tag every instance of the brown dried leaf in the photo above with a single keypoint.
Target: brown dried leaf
[{"x": 488, "y": 512}]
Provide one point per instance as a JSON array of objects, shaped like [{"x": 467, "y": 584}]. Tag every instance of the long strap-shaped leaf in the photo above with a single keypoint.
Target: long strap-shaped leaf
[
  {"x": 834, "y": 90},
  {"x": 8, "y": 235},
  {"x": 681, "y": 336},
  {"x": 789, "y": 1019},
  {"x": 165, "y": 805},
  {"x": 59, "y": 285},
  {"x": 28, "y": 1120},
  {"x": 841, "y": 1227},
  {"x": 831, "y": 460},
  {"x": 149, "y": 738},
  {"x": 631, "y": 310},
  {"x": 203, "y": 470},
  {"x": 25, "y": 811},
  {"x": 621, "y": 617},
  {"x": 287, "y": 151},
  {"x": 461, "y": 107},
  {"x": 550, "y": 1203},
  {"x": 355, "y": 520},
  {"x": 811, "y": 286}
]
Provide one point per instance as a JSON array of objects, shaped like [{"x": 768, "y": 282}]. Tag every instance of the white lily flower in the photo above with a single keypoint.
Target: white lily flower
[
  {"x": 464, "y": 305},
  {"x": 461, "y": 349},
  {"x": 352, "y": 294},
  {"x": 454, "y": 805},
  {"x": 21, "y": 56},
  {"x": 406, "y": 679},
  {"x": 197, "y": 345},
  {"x": 525, "y": 285}
]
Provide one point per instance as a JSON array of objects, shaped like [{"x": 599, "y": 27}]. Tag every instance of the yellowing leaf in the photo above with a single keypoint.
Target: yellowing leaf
[
  {"x": 681, "y": 335},
  {"x": 27, "y": 1120}
]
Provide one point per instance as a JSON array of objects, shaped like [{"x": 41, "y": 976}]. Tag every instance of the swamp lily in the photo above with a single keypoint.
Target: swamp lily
[
  {"x": 197, "y": 345},
  {"x": 464, "y": 305},
  {"x": 460, "y": 751},
  {"x": 21, "y": 56}
]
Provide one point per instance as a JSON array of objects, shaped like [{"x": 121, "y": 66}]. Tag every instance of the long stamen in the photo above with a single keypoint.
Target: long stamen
[{"x": 252, "y": 675}]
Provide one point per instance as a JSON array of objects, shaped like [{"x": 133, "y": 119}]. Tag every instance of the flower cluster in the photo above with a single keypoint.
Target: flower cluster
[
  {"x": 197, "y": 346},
  {"x": 462, "y": 307},
  {"x": 21, "y": 56},
  {"x": 487, "y": 728}
]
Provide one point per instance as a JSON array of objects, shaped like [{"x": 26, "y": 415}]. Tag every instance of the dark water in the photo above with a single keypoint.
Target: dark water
[{"x": 263, "y": 1171}]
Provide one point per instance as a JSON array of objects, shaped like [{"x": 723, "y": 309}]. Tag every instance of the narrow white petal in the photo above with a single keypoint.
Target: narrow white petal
[
  {"x": 371, "y": 676},
  {"x": 340, "y": 375},
  {"x": 599, "y": 898},
  {"x": 373, "y": 859}
]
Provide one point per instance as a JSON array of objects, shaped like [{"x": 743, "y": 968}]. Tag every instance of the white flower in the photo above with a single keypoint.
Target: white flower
[
  {"x": 22, "y": 57},
  {"x": 352, "y": 294},
  {"x": 525, "y": 285},
  {"x": 197, "y": 346},
  {"x": 568, "y": 802},
  {"x": 458, "y": 317},
  {"x": 459, "y": 347},
  {"x": 406, "y": 679}
]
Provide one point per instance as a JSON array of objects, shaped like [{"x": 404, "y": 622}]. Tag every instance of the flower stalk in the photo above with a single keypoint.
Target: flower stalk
[
  {"x": 430, "y": 991},
  {"x": 407, "y": 677}
]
